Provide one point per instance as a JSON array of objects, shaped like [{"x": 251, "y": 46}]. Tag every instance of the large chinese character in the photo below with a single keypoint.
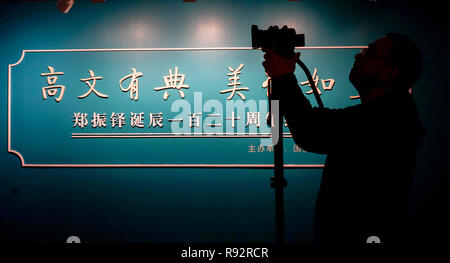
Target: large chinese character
[
  {"x": 133, "y": 87},
  {"x": 52, "y": 89},
  {"x": 265, "y": 84},
  {"x": 253, "y": 118},
  {"x": 233, "y": 119},
  {"x": 267, "y": 120},
  {"x": 175, "y": 120},
  {"x": 315, "y": 78},
  {"x": 214, "y": 124},
  {"x": 80, "y": 119},
  {"x": 137, "y": 119},
  {"x": 98, "y": 120},
  {"x": 117, "y": 119},
  {"x": 324, "y": 82},
  {"x": 194, "y": 119},
  {"x": 173, "y": 81},
  {"x": 234, "y": 83},
  {"x": 92, "y": 86},
  {"x": 156, "y": 120}
]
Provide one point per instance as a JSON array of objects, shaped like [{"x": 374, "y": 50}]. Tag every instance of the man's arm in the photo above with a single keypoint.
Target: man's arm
[{"x": 314, "y": 129}]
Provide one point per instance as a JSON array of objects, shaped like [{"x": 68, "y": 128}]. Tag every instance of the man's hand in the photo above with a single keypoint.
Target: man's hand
[{"x": 276, "y": 65}]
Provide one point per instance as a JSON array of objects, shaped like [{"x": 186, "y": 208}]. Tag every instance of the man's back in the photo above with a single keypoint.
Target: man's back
[
  {"x": 365, "y": 183},
  {"x": 370, "y": 159}
]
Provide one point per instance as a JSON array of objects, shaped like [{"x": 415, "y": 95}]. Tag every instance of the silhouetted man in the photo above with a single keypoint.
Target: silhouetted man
[{"x": 370, "y": 147}]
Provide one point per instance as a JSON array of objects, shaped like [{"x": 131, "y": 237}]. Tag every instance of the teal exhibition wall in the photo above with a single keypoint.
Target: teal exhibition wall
[{"x": 41, "y": 203}]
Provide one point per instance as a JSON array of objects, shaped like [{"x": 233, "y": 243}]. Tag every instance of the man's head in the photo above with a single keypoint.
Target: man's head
[{"x": 393, "y": 61}]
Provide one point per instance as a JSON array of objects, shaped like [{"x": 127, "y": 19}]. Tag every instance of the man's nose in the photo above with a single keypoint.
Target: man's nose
[{"x": 361, "y": 52}]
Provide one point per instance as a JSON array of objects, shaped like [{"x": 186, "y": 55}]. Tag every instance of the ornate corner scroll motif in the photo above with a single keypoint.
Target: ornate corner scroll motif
[{"x": 10, "y": 150}]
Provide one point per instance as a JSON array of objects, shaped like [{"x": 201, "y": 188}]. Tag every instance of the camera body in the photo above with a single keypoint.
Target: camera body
[{"x": 283, "y": 40}]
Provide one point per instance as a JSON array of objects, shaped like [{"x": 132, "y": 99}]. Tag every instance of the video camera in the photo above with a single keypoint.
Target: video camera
[{"x": 283, "y": 40}]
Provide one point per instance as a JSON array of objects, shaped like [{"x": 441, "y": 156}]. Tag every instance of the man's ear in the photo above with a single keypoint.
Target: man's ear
[{"x": 390, "y": 73}]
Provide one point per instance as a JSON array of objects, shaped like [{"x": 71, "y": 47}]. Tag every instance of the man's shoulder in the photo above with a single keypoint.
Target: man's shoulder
[{"x": 354, "y": 109}]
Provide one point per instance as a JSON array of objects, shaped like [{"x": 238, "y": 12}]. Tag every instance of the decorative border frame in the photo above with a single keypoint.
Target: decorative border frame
[{"x": 250, "y": 166}]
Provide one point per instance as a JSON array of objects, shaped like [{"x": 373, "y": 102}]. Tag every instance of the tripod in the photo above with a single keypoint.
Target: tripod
[{"x": 278, "y": 180}]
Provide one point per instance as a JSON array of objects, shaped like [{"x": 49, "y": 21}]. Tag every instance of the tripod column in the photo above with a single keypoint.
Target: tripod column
[{"x": 278, "y": 181}]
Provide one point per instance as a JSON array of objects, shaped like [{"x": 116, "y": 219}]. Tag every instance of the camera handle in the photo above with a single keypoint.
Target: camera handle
[
  {"x": 278, "y": 180},
  {"x": 311, "y": 82}
]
